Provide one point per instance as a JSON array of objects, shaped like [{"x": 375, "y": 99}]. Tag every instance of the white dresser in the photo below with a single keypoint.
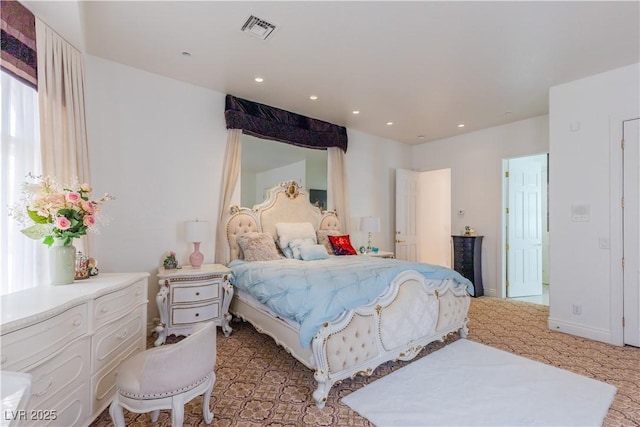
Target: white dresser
[{"x": 71, "y": 339}]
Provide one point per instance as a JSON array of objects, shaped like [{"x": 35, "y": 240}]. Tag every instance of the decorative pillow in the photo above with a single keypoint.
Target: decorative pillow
[
  {"x": 297, "y": 244},
  {"x": 342, "y": 245},
  {"x": 258, "y": 246},
  {"x": 313, "y": 252},
  {"x": 288, "y": 231},
  {"x": 323, "y": 238}
]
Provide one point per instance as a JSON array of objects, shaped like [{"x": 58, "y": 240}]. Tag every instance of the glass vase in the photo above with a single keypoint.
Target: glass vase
[{"x": 62, "y": 263}]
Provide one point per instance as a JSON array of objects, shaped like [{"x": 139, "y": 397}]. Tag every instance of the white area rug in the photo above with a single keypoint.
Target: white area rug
[{"x": 471, "y": 384}]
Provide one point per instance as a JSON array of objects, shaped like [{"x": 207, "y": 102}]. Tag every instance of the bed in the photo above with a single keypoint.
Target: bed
[{"x": 351, "y": 331}]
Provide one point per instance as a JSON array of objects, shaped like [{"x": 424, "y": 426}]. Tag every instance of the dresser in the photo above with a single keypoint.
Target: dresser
[
  {"x": 71, "y": 340},
  {"x": 467, "y": 252},
  {"x": 188, "y": 296}
]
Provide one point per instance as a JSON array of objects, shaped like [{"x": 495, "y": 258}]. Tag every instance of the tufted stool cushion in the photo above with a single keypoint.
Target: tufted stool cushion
[{"x": 168, "y": 376}]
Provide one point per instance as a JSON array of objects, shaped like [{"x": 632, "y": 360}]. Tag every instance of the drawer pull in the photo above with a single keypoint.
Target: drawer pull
[
  {"x": 123, "y": 334},
  {"x": 197, "y": 314},
  {"x": 104, "y": 309},
  {"x": 77, "y": 322},
  {"x": 46, "y": 389},
  {"x": 197, "y": 294}
]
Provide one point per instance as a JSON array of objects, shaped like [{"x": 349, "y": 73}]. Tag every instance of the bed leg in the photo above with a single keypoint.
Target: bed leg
[{"x": 321, "y": 393}]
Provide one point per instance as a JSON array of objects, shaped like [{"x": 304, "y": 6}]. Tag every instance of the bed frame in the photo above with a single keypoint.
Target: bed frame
[{"x": 410, "y": 314}]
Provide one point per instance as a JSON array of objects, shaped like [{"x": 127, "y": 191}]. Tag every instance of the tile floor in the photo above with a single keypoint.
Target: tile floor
[{"x": 537, "y": 299}]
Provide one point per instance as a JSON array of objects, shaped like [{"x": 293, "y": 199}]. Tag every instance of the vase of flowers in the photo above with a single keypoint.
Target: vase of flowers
[{"x": 57, "y": 215}]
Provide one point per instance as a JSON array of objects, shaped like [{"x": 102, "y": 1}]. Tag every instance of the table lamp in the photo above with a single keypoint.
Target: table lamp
[
  {"x": 370, "y": 225},
  {"x": 196, "y": 232}
]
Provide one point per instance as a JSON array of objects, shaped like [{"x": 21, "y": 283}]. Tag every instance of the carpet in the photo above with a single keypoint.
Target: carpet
[{"x": 470, "y": 384}]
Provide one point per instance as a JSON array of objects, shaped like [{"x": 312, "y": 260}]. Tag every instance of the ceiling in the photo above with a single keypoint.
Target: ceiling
[{"x": 425, "y": 66}]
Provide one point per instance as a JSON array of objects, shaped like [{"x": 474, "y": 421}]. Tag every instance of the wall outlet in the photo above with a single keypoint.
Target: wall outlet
[{"x": 577, "y": 309}]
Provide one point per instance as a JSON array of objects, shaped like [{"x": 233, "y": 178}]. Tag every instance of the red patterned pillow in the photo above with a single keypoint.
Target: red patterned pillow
[{"x": 342, "y": 245}]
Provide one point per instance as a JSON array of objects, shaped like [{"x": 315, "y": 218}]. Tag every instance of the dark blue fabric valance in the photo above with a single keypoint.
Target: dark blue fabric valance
[{"x": 272, "y": 123}]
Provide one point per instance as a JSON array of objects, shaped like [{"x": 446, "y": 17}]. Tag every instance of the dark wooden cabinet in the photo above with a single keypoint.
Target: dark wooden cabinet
[{"x": 467, "y": 260}]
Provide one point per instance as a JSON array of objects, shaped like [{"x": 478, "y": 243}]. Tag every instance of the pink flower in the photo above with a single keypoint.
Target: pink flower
[
  {"x": 72, "y": 197},
  {"x": 89, "y": 220},
  {"x": 88, "y": 206},
  {"x": 62, "y": 223}
]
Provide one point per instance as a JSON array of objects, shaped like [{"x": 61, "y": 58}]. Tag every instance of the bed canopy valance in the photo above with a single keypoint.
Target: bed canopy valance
[{"x": 264, "y": 121}]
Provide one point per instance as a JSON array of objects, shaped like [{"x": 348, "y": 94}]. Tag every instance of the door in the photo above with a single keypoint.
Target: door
[
  {"x": 407, "y": 193},
  {"x": 631, "y": 231},
  {"x": 524, "y": 226}
]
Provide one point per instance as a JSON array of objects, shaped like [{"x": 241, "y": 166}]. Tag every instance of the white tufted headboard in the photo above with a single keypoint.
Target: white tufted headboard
[{"x": 286, "y": 202}]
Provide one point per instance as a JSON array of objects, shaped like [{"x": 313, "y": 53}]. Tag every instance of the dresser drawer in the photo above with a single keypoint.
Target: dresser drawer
[
  {"x": 188, "y": 315},
  {"x": 116, "y": 304},
  {"x": 186, "y": 294},
  {"x": 68, "y": 410},
  {"x": 60, "y": 376},
  {"x": 109, "y": 342},
  {"x": 103, "y": 384},
  {"x": 24, "y": 347}
]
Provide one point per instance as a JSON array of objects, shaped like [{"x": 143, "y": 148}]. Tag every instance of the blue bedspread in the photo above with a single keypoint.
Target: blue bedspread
[{"x": 314, "y": 292}]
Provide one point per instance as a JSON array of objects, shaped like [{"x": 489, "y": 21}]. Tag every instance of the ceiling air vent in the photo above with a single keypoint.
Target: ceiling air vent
[{"x": 258, "y": 28}]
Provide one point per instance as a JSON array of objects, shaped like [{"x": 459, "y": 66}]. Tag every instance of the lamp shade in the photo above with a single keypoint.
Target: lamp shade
[
  {"x": 370, "y": 224},
  {"x": 196, "y": 231}
]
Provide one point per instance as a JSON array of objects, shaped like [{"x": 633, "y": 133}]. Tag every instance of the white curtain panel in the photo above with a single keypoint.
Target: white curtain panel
[
  {"x": 230, "y": 176},
  {"x": 338, "y": 194},
  {"x": 22, "y": 260},
  {"x": 61, "y": 86}
]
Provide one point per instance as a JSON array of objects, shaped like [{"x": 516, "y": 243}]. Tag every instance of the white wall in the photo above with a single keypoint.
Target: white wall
[
  {"x": 272, "y": 177},
  {"x": 158, "y": 146},
  {"x": 475, "y": 160},
  {"x": 584, "y": 165}
]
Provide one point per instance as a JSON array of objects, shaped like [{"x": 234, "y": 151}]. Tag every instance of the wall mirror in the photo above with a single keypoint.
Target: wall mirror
[{"x": 266, "y": 163}]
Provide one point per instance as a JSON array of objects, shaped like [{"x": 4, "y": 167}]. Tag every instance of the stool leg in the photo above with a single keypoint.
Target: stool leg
[
  {"x": 177, "y": 410},
  {"x": 154, "y": 415},
  {"x": 115, "y": 411},
  {"x": 206, "y": 411}
]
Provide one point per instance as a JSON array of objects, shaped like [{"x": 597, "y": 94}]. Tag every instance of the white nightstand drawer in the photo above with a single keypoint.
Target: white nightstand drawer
[
  {"x": 187, "y": 315},
  {"x": 24, "y": 347},
  {"x": 182, "y": 294},
  {"x": 111, "y": 340},
  {"x": 111, "y": 306}
]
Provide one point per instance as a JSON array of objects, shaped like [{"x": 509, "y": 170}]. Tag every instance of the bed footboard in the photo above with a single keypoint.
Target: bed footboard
[{"x": 412, "y": 313}]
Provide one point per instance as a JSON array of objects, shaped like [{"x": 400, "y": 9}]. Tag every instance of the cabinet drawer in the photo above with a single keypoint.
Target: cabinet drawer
[
  {"x": 187, "y": 315},
  {"x": 68, "y": 410},
  {"x": 60, "y": 376},
  {"x": 109, "y": 342},
  {"x": 24, "y": 347},
  {"x": 116, "y": 304},
  {"x": 103, "y": 384},
  {"x": 185, "y": 294}
]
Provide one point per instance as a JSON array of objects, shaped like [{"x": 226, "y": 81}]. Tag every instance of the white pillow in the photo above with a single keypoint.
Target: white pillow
[{"x": 289, "y": 231}]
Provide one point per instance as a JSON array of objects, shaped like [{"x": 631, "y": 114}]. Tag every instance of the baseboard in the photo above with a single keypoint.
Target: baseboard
[{"x": 578, "y": 330}]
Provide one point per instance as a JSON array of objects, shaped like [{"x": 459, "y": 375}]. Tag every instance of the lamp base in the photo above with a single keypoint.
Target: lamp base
[{"x": 196, "y": 258}]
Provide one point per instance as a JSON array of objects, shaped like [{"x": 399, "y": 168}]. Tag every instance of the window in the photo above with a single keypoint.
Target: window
[{"x": 23, "y": 262}]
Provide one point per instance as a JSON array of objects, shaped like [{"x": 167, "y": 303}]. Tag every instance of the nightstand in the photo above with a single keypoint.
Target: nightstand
[
  {"x": 380, "y": 254},
  {"x": 189, "y": 296}
]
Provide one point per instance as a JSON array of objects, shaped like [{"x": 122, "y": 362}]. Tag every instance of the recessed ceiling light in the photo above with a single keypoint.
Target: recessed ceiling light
[
  {"x": 313, "y": 97},
  {"x": 389, "y": 123},
  {"x": 185, "y": 53},
  {"x": 506, "y": 113},
  {"x": 356, "y": 112},
  {"x": 259, "y": 79},
  {"x": 420, "y": 136},
  {"x": 461, "y": 125}
]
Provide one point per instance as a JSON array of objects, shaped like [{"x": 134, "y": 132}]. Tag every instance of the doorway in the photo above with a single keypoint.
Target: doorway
[{"x": 526, "y": 233}]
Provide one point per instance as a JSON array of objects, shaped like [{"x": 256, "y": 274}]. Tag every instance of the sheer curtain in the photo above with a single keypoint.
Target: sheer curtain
[
  {"x": 338, "y": 194},
  {"x": 230, "y": 175},
  {"x": 22, "y": 260}
]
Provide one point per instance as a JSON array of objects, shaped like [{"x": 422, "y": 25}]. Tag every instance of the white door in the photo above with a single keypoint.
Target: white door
[
  {"x": 407, "y": 192},
  {"x": 631, "y": 232},
  {"x": 524, "y": 227}
]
